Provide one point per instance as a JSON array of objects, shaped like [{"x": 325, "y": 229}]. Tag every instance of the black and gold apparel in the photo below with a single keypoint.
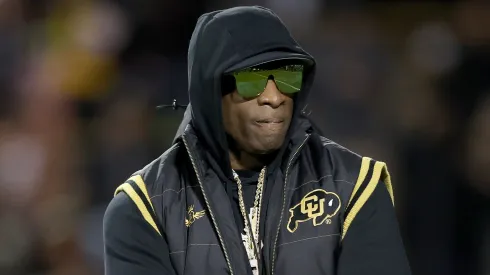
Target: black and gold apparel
[{"x": 324, "y": 209}]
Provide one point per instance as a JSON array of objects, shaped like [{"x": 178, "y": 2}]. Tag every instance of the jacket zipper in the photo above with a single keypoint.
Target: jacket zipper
[
  {"x": 284, "y": 203},
  {"x": 209, "y": 207}
]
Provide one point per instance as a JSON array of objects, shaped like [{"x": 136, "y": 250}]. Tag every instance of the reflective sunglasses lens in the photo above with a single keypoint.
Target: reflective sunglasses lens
[{"x": 251, "y": 82}]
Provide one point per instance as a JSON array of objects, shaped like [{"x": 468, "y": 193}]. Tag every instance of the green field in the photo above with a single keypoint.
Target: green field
[{"x": 254, "y": 82}]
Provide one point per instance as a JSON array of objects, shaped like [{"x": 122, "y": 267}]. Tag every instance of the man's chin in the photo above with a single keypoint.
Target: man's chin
[
  {"x": 267, "y": 149},
  {"x": 265, "y": 152}
]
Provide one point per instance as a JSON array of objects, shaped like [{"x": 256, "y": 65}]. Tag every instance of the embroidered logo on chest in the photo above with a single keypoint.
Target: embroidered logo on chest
[
  {"x": 192, "y": 215},
  {"x": 319, "y": 206}
]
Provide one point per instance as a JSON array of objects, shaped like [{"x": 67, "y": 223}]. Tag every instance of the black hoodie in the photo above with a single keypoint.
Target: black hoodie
[
  {"x": 225, "y": 41},
  {"x": 221, "y": 44},
  {"x": 151, "y": 236}
]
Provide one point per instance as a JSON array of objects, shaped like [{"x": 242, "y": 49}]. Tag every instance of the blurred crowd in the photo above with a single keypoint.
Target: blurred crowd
[{"x": 406, "y": 83}]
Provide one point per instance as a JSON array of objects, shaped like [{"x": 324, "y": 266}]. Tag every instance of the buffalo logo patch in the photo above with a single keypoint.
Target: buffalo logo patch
[{"x": 318, "y": 206}]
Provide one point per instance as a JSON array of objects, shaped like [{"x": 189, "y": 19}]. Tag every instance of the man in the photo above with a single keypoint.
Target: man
[{"x": 249, "y": 186}]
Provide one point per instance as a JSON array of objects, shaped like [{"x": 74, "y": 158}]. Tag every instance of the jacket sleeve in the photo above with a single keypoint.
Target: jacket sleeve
[
  {"x": 131, "y": 245},
  {"x": 373, "y": 245}
]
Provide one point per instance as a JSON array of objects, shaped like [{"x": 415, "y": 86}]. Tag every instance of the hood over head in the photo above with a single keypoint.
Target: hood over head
[{"x": 224, "y": 41}]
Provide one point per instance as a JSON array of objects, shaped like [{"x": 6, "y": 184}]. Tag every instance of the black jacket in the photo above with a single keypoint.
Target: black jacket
[{"x": 319, "y": 190}]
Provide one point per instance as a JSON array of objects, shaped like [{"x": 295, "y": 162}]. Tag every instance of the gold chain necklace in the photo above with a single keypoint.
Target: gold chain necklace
[{"x": 253, "y": 235}]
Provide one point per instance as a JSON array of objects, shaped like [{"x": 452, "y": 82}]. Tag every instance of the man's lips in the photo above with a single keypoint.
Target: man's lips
[
  {"x": 270, "y": 124},
  {"x": 270, "y": 121}
]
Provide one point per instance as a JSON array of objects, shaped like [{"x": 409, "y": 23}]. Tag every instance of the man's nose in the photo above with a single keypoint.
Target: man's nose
[{"x": 271, "y": 95}]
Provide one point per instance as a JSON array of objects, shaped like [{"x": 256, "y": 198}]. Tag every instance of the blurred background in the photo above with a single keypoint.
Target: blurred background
[{"x": 404, "y": 82}]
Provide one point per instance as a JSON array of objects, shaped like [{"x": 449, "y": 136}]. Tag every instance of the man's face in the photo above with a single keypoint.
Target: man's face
[{"x": 258, "y": 125}]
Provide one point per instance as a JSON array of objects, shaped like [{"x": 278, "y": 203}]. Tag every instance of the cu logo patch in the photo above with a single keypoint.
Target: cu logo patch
[{"x": 318, "y": 205}]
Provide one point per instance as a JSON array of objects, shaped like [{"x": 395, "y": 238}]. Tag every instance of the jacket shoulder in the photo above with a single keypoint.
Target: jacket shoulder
[
  {"x": 334, "y": 146},
  {"x": 366, "y": 173},
  {"x": 344, "y": 162},
  {"x": 160, "y": 174}
]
